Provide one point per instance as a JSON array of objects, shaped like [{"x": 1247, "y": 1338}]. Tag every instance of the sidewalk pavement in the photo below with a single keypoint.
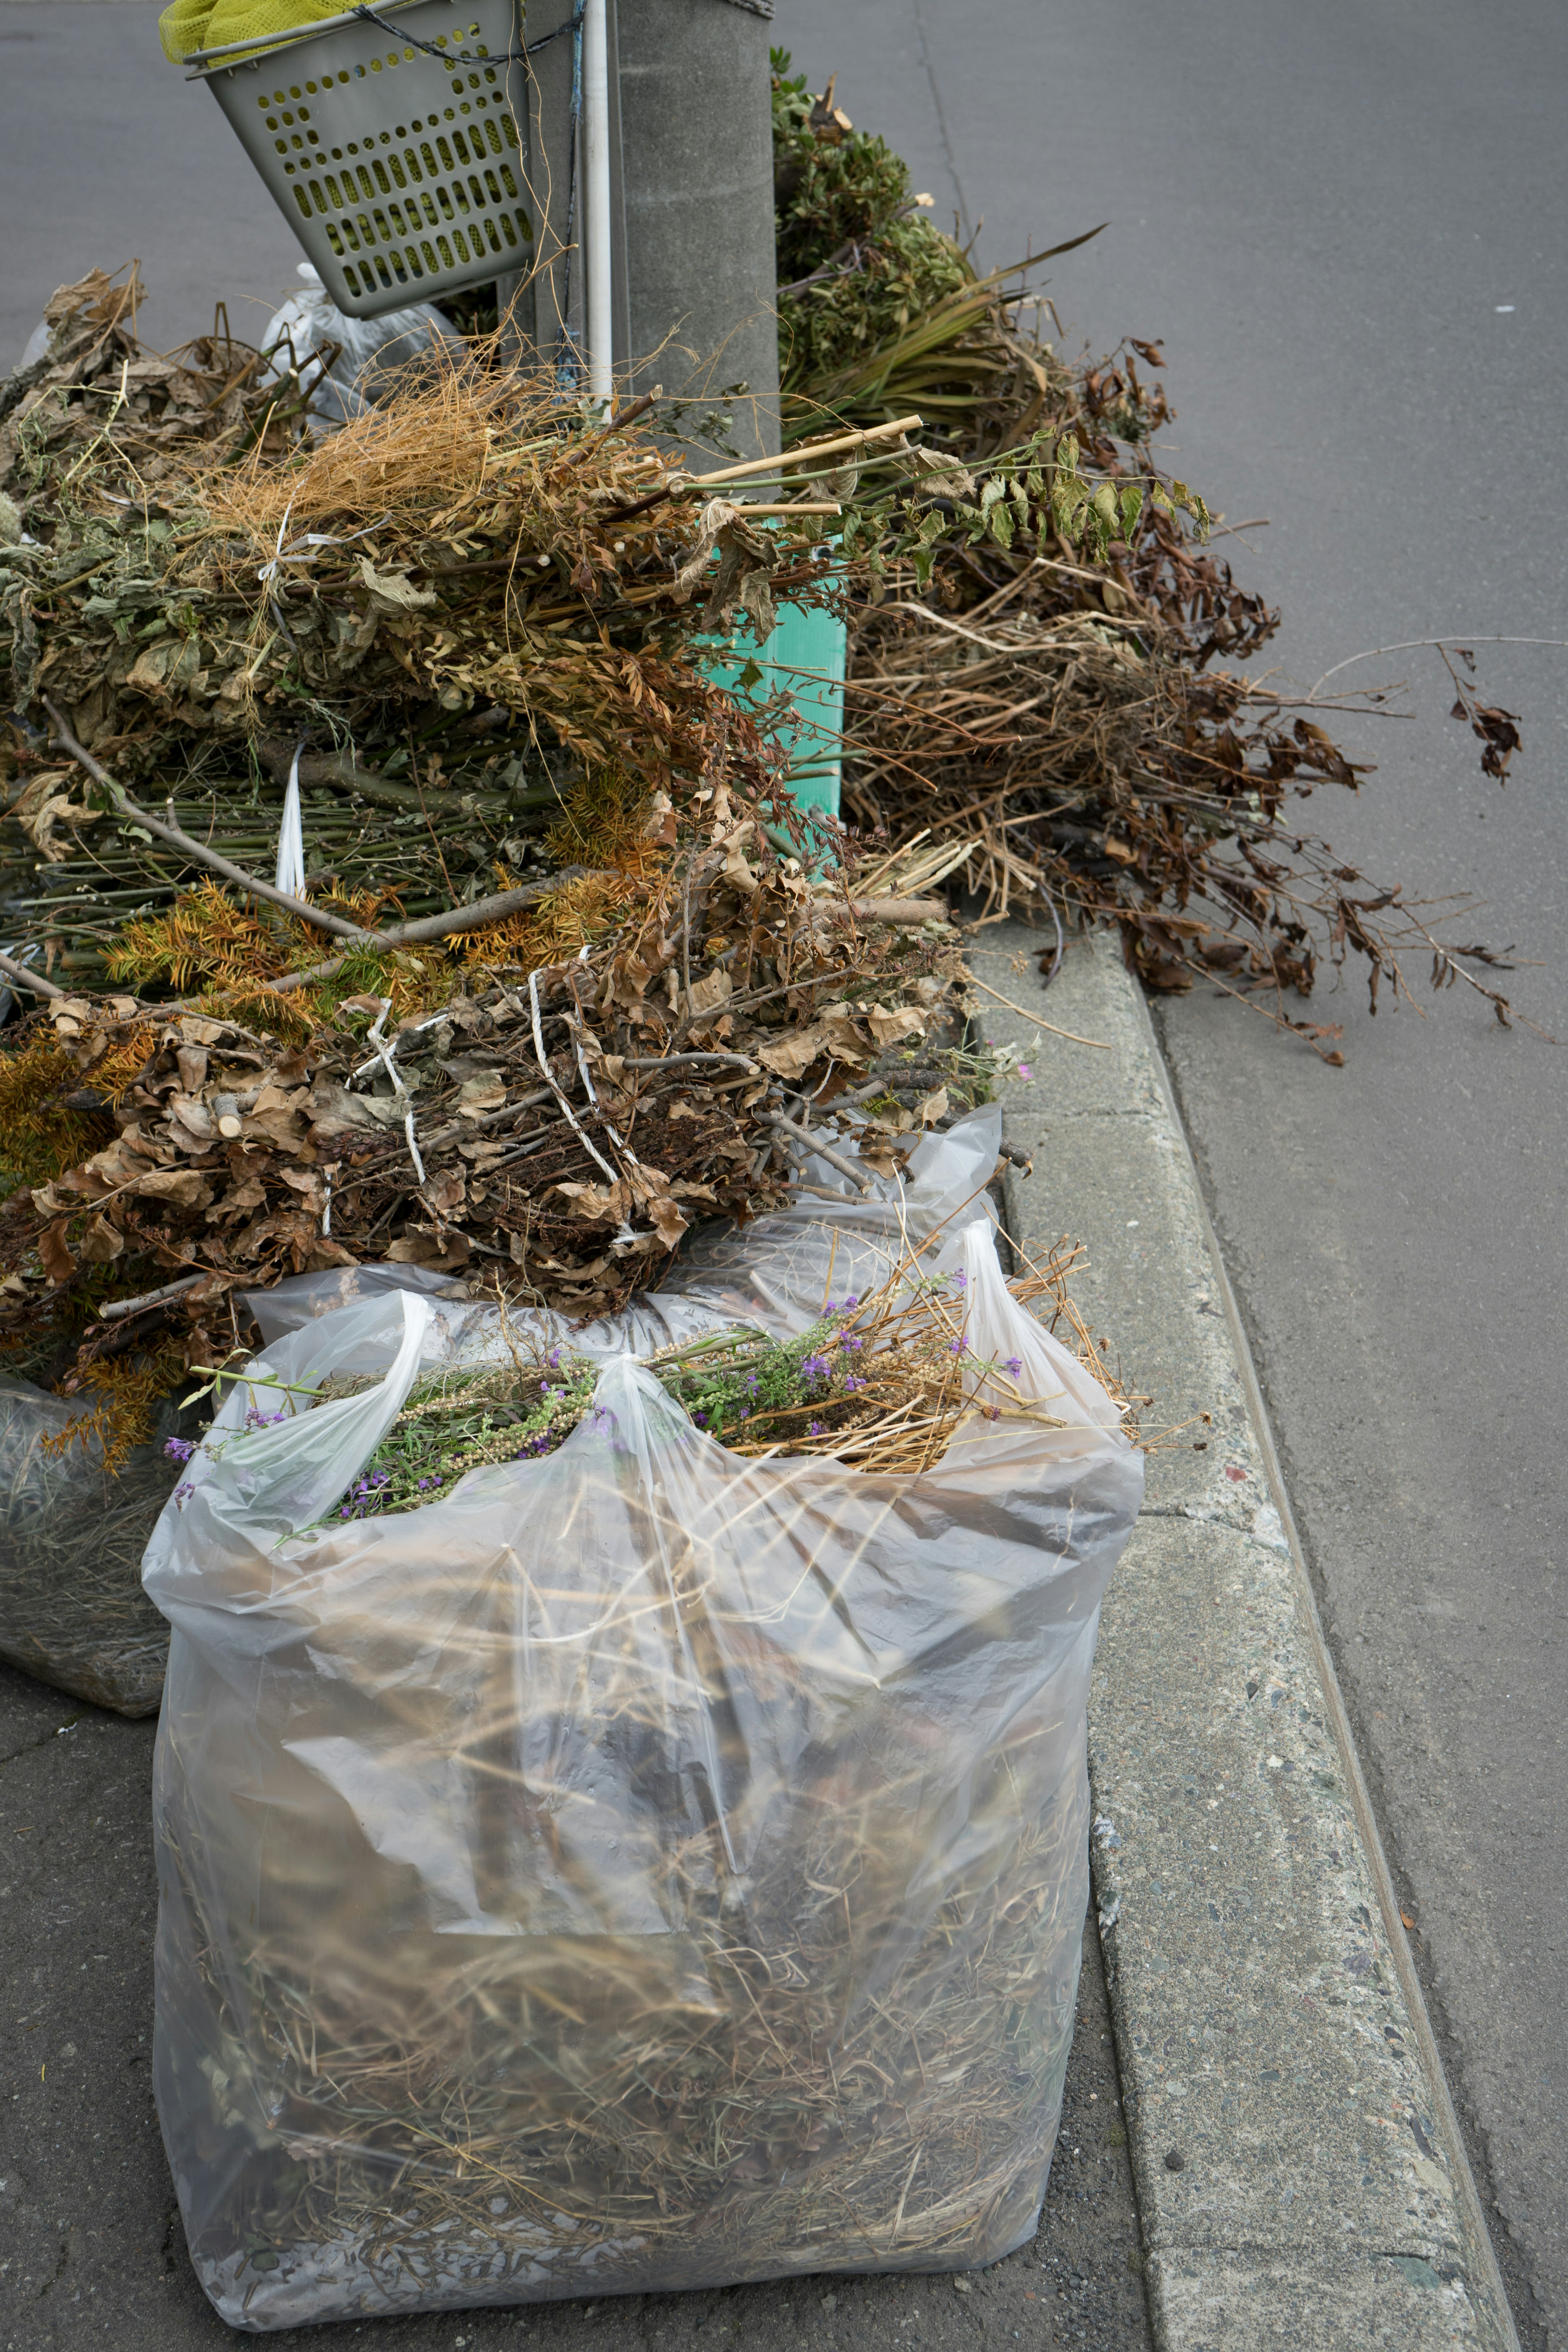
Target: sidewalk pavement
[{"x": 1301, "y": 2176}]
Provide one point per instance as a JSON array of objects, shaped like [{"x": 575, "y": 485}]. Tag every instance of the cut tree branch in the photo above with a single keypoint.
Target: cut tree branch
[
  {"x": 33, "y": 979},
  {"x": 476, "y": 917},
  {"x": 824, "y": 1150}
]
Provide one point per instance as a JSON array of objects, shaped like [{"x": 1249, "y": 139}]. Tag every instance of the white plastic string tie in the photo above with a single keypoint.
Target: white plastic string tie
[
  {"x": 291, "y": 877},
  {"x": 376, "y": 1038}
]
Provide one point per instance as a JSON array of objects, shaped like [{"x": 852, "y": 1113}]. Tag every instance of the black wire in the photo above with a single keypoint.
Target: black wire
[{"x": 465, "y": 57}]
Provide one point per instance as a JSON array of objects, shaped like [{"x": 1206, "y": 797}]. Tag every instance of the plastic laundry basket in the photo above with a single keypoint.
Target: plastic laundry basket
[{"x": 401, "y": 174}]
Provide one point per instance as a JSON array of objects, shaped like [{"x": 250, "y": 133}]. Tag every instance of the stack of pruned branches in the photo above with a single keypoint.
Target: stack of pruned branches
[
  {"x": 559, "y": 1115},
  {"x": 1049, "y": 678}
]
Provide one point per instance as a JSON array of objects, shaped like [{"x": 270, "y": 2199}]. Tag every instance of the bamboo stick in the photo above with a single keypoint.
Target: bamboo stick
[
  {"x": 760, "y": 469},
  {"x": 754, "y": 468}
]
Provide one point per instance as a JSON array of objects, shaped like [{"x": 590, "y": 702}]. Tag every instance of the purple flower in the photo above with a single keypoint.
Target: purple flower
[
  {"x": 959, "y": 1348},
  {"x": 992, "y": 1411},
  {"x": 960, "y": 1277},
  {"x": 814, "y": 1368},
  {"x": 1025, "y": 1071},
  {"x": 1014, "y": 1364},
  {"x": 182, "y": 1494},
  {"x": 423, "y": 1484},
  {"x": 851, "y": 1383},
  {"x": 851, "y": 1340},
  {"x": 179, "y": 1449},
  {"x": 815, "y": 1429},
  {"x": 851, "y": 1303},
  {"x": 347, "y": 1511},
  {"x": 745, "y": 1413},
  {"x": 701, "y": 1419}
]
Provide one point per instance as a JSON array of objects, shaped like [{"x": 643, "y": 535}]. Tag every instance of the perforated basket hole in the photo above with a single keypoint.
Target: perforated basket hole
[{"x": 391, "y": 187}]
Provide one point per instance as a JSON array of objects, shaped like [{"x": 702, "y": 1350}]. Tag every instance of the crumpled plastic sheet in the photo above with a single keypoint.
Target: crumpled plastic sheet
[{"x": 647, "y": 1868}]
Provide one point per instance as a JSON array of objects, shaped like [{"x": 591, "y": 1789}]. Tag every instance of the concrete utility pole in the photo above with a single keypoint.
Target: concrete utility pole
[
  {"x": 698, "y": 175},
  {"x": 691, "y": 290}
]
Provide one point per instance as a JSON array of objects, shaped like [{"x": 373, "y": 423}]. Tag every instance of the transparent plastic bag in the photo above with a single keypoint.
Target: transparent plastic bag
[
  {"x": 308, "y": 326},
  {"x": 648, "y": 1867},
  {"x": 72, "y": 1609}
]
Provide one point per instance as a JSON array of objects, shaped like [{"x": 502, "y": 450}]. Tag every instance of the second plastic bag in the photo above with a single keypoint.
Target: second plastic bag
[
  {"x": 647, "y": 1868},
  {"x": 72, "y": 1609},
  {"x": 346, "y": 364}
]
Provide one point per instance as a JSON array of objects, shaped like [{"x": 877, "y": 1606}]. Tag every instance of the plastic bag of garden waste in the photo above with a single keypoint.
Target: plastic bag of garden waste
[
  {"x": 344, "y": 363},
  {"x": 649, "y": 1867},
  {"x": 72, "y": 1609}
]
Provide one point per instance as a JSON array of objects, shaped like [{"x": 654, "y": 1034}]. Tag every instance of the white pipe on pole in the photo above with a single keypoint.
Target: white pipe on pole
[{"x": 596, "y": 254}]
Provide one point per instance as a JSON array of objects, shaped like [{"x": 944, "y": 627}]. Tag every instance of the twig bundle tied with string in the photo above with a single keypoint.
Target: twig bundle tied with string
[
  {"x": 562, "y": 1108},
  {"x": 651, "y": 1864}
]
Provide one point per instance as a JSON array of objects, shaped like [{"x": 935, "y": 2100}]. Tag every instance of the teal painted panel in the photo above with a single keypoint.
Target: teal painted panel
[{"x": 804, "y": 656}]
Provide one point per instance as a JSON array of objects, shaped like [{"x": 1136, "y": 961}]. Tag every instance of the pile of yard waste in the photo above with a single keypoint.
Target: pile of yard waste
[
  {"x": 1051, "y": 684},
  {"x": 388, "y": 878},
  {"x": 555, "y": 970}
]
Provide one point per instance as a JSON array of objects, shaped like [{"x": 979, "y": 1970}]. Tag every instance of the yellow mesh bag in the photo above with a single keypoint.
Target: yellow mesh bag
[{"x": 190, "y": 25}]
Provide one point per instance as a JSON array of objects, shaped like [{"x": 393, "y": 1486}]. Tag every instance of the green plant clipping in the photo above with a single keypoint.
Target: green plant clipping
[{"x": 856, "y": 261}]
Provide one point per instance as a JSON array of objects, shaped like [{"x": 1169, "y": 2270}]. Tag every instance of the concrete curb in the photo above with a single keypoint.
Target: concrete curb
[{"x": 1300, "y": 2176}]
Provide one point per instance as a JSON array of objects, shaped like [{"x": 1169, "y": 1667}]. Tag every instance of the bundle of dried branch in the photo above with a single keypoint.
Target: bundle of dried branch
[
  {"x": 1043, "y": 686},
  {"x": 435, "y": 620},
  {"x": 561, "y": 1116}
]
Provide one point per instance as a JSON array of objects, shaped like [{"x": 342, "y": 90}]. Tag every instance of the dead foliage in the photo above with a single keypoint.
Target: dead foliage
[{"x": 1052, "y": 678}]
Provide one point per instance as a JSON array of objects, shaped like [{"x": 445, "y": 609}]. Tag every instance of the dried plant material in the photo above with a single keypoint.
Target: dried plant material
[
  {"x": 1038, "y": 681},
  {"x": 881, "y": 1383}
]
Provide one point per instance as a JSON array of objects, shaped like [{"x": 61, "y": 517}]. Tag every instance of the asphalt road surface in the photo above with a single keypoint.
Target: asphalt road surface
[
  {"x": 1345, "y": 220},
  {"x": 1346, "y": 224}
]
